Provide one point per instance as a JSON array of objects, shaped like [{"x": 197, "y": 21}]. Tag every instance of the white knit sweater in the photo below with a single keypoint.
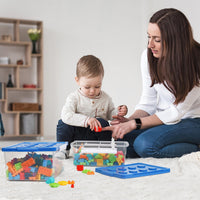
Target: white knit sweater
[
  {"x": 79, "y": 108},
  {"x": 158, "y": 100}
]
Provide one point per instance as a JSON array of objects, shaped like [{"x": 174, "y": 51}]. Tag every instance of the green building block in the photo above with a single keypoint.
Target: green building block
[{"x": 18, "y": 165}]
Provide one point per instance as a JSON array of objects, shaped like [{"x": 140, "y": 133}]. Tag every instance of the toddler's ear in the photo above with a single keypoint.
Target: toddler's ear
[{"x": 76, "y": 79}]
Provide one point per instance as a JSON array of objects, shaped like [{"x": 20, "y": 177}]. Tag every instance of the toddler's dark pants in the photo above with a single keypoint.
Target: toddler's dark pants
[{"x": 70, "y": 133}]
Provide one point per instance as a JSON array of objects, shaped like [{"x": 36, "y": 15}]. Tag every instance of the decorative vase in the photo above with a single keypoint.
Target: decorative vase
[
  {"x": 9, "y": 84},
  {"x": 34, "y": 46}
]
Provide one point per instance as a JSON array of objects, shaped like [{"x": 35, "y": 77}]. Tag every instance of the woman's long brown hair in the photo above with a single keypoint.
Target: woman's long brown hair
[{"x": 178, "y": 67}]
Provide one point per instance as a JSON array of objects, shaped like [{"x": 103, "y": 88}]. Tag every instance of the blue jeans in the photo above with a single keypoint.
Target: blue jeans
[
  {"x": 165, "y": 141},
  {"x": 70, "y": 133}
]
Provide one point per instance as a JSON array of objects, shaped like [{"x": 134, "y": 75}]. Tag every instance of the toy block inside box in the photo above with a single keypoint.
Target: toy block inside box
[
  {"x": 24, "y": 106},
  {"x": 33, "y": 161},
  {"x": 99, "y": 153}
]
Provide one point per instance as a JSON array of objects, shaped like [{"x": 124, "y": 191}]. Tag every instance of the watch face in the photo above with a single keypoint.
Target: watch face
[{"x": 138, "y": 121}]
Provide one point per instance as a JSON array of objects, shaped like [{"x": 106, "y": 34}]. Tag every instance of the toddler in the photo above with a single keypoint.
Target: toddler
[{"x": 88, "y": 108}]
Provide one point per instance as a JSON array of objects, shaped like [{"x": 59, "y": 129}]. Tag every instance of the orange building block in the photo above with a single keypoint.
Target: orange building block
[
  {"x": 90, "y": 173},
  {"x": 28, "y": 162},
  {"x": 106, "y": 156},
  {"x": 83, "y": 157},
  {"x": 99, "y": 162},
  {"x": 45, "y": 171},
  {"x": 119, "y": 160},
  {"x": 11, "y": 169},
  {"x": 32, "y": 178}
]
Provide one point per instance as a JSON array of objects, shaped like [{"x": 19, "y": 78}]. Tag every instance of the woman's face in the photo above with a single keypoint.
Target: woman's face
[{"x": 154, "y": 39}]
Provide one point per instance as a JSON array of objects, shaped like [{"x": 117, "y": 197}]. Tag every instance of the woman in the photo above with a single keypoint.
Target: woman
[{"x": 166, "y": 122}]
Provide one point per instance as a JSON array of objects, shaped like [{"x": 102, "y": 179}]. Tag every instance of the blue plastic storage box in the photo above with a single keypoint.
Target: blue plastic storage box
[{"x": 33, "y": 161}]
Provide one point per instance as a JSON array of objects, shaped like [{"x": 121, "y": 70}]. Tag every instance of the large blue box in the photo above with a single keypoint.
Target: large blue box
[{"x": 33, "y": 161}]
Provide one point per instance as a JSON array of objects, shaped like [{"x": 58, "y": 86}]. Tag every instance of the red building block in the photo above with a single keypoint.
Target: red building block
[
  {"x": 79, "y": 167},
  {"x": 97, "y": 129}
]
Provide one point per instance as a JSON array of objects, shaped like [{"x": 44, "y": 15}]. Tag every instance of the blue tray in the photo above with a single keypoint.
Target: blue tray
[
  {"x": 132, "y": 170},
  {"x": 35, "y": 146}
]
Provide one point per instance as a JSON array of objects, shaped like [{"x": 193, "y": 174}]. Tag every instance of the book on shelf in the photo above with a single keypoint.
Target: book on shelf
[{"x": 2, "y": 90}]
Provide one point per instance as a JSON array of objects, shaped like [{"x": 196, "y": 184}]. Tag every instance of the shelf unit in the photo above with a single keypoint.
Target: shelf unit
[{"x": 31, "y": 69}]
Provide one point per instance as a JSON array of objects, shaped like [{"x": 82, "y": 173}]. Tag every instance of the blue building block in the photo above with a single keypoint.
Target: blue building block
[
  {"x": 90, "y": 157},
  {"x": 49, "y": 164},
  {"x": 132, "y": 170},
  {"x": 105, "y": 162},
  {"x": 17, "y": 177},
  {"x": 10, "y": 177},
  {"x": 33, "y": 169},
  {"x": 76, "y": 162},
  {"x": 93, "y": 164},
  {"x": 50, "y": 180},
  {"x": 76, "y": 156}
]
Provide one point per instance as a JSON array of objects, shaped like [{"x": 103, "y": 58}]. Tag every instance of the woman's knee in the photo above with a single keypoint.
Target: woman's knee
[{"x": 144, "y": 148}]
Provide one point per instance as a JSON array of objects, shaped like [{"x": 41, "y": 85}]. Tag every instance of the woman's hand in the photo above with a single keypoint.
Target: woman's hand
[
  {"x": 93, "y": 122},
  {"x": 119, "y": 130},
  {"x": 118, "y": 119}
]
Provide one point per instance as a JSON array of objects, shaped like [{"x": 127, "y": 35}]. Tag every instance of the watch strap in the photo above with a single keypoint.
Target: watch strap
[{"x": 138, "y": 123}]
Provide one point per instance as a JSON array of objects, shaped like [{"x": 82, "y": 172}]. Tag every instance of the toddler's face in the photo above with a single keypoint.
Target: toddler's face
[{"x": 91, "y": 87}]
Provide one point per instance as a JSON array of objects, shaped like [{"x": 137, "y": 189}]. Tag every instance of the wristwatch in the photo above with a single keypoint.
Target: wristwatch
[{"x": 138, "y": 123}]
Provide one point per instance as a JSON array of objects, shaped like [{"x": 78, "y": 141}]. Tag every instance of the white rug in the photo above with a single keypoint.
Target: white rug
[{"x": 182, "y": 183}]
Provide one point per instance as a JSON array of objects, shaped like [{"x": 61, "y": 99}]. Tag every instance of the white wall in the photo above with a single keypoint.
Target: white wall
[{"x": 113, "y": 30}]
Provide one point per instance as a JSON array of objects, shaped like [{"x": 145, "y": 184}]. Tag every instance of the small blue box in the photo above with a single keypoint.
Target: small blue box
[
  {"x": 33, "y": 161},
  {"x": 99, "y": 153},
  {"x": 132, "y": 170}
]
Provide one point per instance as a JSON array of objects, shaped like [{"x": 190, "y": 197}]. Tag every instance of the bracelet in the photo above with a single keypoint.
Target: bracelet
[{"x": 138, "y": 123}]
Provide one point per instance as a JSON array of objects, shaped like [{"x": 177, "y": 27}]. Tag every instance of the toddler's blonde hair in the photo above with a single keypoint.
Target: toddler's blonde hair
[{"x": 89, "y": 66}]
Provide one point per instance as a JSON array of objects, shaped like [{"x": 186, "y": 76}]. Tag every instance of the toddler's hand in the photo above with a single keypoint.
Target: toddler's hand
[
  {"x": 93, "y": 122},
  {"x": 122, "y": 110}
]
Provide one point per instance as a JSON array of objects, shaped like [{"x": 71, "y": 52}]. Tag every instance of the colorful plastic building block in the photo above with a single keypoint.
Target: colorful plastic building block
[
  {"x": 97, "y": 129},
  {"x": 79, "y": 167},
  {"x": 90, "y": 173},
  {"x": 18, "y": 166},
  {"x": 50, "y": 180},
  {"x": 99, "y": 162},
  {"x": 28, "y": 162},
  {"x": 45, "y": 171},
  {"x": 54, "y": 185},
  {"x": 63, "y": 182}
]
